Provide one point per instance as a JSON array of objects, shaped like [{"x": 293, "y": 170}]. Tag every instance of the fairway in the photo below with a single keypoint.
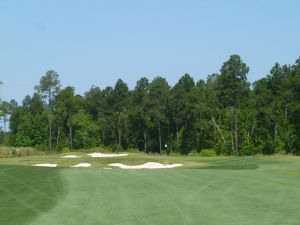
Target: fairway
[
  {"x": 233, "y": 190},
  {"x": 149, "y": 113}
]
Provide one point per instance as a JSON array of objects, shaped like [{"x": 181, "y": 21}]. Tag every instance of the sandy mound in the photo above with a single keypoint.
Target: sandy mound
[
  {"x": 46, "y": 165},
  {"x": 102, "y": 155},
  {"x": 82, "y": 165},
  {"x": 148, "y": 165},
  {"x": 71, "y": 156}
]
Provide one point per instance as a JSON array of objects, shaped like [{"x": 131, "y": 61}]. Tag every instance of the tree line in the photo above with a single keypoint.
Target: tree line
[{"x": 224, "y": 113}]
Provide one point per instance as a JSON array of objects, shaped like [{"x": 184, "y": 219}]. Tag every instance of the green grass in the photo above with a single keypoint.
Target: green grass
[
  {"x": 218, "y": 190},
  {"x": 27, "y": 192},
  {"x": 133, "y": 158}
]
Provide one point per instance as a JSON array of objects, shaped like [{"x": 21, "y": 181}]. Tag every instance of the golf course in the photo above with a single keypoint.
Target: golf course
[
  {"x": 205, "y": 190},
  {"x": 150, "y": 112}
]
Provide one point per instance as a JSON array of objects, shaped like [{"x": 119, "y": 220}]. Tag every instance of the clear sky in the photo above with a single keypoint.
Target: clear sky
[{"x": 91, "y": 42}]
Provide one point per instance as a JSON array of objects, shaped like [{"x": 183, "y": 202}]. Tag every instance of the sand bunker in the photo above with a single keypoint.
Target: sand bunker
[
  {"x": 71, "y": 156},
  {"x": 46, "y": 165},
  {"x": 148, "y": 165},
  {"x": 82, "y": 165},
  {"x": 102, "y": 155}
]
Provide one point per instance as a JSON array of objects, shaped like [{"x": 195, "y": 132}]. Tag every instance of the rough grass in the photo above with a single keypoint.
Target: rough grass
[
  {"x": 132, "y": 159},
  {"x": 9, "y": 152},
  {"x": 218, "y": 190}
]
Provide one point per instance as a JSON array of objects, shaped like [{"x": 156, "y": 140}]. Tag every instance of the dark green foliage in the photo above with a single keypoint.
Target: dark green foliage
[
  {"x": 67, "y": 105},
  {"x": 223, "y": 113},
  {"x": 232, "y": 89},
  {"x": 86, "y": 133},
  {"x": 159, "y": 100},
  {"x": 119, "y": 103},
  {"x": 28, "y": 123},
  {"x": 48, "y": 88}
]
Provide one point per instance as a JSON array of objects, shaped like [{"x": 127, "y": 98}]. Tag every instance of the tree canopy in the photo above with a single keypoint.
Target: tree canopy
[{"x": 223, "y": 113}]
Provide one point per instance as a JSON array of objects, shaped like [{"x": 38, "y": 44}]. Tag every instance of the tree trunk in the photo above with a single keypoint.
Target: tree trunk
[
  {"x": 119, "y": 131},
  {"x": 177, "y": 132},
  {"x": 145, "y": 140},
  {"x": 215, "y": 134},
  {"x": 70, "y": 130},
  {"x": 50, "y": 119},
  {"x": 159, "y": 137},
  {"x": 275, "y": 136},
  {"x": 232, "y": 135},
  {"x": 4, "y": 126},
  {"x": 219, "y": 130},
  {"x": 50, "y": 130},
  {"x": 103, "y": 137},
  {"x": 285, "y": 113},
  {"x": 236, "y": 143},
  {"x": 145, "y": 131},
  {"x": 4, "y": 122},
  {"x": 58, "y": 135},
  {"x": 71, "y": 136}
]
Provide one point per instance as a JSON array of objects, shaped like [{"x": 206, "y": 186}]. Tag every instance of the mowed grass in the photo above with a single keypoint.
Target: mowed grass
[
  {"x": 27, "y": 192},
  {"x": 132, "y": 159},
  {"x": 221, "y": 190}
]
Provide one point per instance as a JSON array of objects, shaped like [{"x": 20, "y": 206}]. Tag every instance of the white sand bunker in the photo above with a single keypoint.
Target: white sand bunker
[
  {"x": 71, "y": 156},
  {"x": 82, "y": 165},
  {"x": 148, "y": 165},
  {"x": 102, "y": 155},
  {"x": 46, "y": 165}
]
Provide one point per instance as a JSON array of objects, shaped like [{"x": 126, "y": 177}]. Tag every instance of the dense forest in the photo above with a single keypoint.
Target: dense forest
[{"x": 225, "y": 114}]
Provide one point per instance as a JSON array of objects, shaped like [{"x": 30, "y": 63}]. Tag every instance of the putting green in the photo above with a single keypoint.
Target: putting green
[{"x": 241, "y": 191}]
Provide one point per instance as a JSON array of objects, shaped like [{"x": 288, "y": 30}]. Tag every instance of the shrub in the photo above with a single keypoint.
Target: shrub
[
  {"x": 7, "y": 152},
  {"x": 115, "y": 147},
  {"x": 133, "y": 150},
  {"x": 42, "y": 147},
  {"x": 59, "y": 148},
  {"x": 65, "y": 150},
  {"x": 193, "y": 153},
  {"x": 208, "y": 153},
  {"x": 175, "y": 146}
]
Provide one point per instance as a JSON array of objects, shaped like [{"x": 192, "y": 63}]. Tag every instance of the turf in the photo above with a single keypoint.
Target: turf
[
  {"x": 227, "y": 190},
  {"x": 28, "y": 192}
]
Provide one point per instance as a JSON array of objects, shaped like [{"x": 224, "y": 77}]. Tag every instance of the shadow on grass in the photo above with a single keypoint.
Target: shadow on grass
[
  {"x": 27, "y": 192},
  {"x": 232, "y": 167},
  {"x": 242, "y": 163}
]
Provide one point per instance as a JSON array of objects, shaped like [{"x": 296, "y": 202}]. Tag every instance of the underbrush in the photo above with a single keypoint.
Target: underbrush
[
  {"x": 8, "y": 152},
  {"x": 204, "y": 153},
  {"x": 208, "y": 153},
  {"x": 106, "y": 149}
]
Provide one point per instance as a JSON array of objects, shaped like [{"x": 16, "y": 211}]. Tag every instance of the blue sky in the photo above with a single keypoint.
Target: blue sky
[{"x": 91, "y": 42}]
